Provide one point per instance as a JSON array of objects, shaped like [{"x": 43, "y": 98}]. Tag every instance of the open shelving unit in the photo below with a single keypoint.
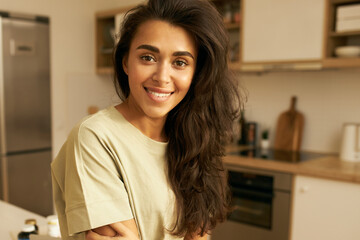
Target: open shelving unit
[
  {"x": 105, "y": 38},
  {"x": 231, "y": 10},
  {"x": 104, "y": 44},
  {"x": 333, "y": 39}
]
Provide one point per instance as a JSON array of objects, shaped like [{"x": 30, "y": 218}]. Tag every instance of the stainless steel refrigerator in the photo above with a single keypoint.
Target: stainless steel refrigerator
[{"x": 25, "y": 124}]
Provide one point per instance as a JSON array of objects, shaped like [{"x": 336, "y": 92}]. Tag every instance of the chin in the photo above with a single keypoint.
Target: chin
[{"x": 157, "y": 114}]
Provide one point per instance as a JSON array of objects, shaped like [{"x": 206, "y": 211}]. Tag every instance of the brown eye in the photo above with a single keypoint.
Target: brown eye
[
  {"x": 148, "y": 58},
  {"x": 180, "y": 63}
]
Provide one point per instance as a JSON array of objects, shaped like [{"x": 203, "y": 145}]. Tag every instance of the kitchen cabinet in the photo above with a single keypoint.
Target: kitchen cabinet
[
  {"x": 335, "y": 38},
  {"x": 107, "y": 27},
  {"x": 264, "y": 35},
  {"x": 232, "y": 12},
  {"x": 282, "y": 34},
  {"x": 325, "y": 209}
]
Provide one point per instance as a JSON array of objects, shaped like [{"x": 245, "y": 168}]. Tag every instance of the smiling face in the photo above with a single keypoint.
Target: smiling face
[{"x": 160, "y": 66}]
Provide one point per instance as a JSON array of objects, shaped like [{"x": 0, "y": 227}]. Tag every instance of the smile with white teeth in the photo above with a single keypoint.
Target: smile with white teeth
[{"x": 158, "y": 94}]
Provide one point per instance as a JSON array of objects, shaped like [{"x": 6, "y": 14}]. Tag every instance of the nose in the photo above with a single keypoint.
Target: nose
[{"x": 162, "y": 74}]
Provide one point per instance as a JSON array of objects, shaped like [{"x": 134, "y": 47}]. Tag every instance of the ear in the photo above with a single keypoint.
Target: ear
[{"x": 125, "y": 64}]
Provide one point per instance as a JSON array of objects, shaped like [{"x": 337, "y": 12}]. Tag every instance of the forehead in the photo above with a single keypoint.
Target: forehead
[{"x": 164, "y": 36}]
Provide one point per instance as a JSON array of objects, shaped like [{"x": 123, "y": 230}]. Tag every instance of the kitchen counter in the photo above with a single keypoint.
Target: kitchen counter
[
  {"x": 329, "y": 167},
  {"x": 13, "y": 218}
]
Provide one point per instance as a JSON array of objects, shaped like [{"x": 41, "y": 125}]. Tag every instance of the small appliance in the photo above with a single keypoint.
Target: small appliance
[{"x": 350, "y": 144}]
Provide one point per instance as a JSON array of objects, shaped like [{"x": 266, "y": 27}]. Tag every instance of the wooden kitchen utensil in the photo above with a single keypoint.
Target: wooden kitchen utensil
[{"x": 289, "y": 129}]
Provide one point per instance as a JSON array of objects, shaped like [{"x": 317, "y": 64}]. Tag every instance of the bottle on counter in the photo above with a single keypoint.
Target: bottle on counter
[
  {"x": 243, "y": 129},
  {"x": 26, "y": 231},
  {"x": 32, "y": 221},
  {"x": 251, "y": 135}
]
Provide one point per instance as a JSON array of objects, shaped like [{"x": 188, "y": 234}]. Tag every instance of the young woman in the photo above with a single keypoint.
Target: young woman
[{"x": 150, "y": 167}]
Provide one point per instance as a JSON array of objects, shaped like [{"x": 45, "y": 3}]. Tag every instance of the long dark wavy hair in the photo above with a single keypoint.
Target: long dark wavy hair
[{"x": 200, "y": 125}]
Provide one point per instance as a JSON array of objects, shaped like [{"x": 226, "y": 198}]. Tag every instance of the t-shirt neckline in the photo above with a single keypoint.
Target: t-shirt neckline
[{"x": 137, "y": 131}]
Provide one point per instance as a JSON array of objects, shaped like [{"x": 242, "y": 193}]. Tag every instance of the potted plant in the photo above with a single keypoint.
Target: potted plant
[{"x": 264, "y": 142}]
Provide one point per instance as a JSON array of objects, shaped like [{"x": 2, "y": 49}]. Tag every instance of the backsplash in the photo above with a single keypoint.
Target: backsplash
[{"x": 326, "y": 98}]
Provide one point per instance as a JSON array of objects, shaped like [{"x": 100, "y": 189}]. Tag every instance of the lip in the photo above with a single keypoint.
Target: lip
[
  {"x": 156, "y": 97},
  {"x": 158, "y": 90}
]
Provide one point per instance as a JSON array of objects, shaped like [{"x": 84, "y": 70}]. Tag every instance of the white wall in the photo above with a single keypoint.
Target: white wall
[
  {"x": 326, "y": 98},
  {"x": 74, "y": 83}
]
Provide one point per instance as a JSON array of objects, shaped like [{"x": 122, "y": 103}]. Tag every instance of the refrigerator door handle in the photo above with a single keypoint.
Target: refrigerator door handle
[
  {"x": 3, "y": 161},
  {"x": 21, "y": 48},
  {"x": 4, "y": 180},
  {"x": 2, "y": 92}
]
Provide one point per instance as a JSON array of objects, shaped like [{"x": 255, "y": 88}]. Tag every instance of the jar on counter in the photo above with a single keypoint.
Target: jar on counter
[
  {"x": 32, "y": 221},
  {"x": 26, "y": 231},
  {"x": 53, "y": 226}
]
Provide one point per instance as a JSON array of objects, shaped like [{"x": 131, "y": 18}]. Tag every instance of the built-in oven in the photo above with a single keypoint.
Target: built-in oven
[{"x": 260, "y": 206}]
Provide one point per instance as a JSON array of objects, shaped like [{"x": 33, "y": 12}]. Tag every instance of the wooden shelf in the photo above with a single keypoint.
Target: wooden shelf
[
  {"x": 236, "y": 66},
  {"x": 104, "y": 70},
  {"x": 341, "y": 63},
  {"x": 232, "y": 26},
  {"x": 340, "y": 2},
  {"x": 344, "y": 34}
]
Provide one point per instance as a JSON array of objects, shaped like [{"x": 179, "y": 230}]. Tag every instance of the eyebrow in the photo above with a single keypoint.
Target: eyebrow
[{"x": 157, "y": 50}]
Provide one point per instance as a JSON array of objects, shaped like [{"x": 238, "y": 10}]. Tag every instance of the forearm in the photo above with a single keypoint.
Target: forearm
[
  {"x": 124, "y": 230},
  {"x": 196, "y": 237},
  {"x": 106, "y": 231}
]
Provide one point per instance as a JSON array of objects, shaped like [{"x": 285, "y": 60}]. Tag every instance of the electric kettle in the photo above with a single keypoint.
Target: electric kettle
[{"x": 350, "y": 144}]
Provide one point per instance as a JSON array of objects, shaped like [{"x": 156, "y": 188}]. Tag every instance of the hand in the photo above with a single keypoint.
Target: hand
[
  {"x": 91, "y": 235},
  {"x": 125, "y": 230}
]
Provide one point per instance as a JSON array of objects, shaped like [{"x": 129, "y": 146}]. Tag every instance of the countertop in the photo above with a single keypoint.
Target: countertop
[
  {"x": 328, "y": 167},
  {"x": 13, "y": 218}
]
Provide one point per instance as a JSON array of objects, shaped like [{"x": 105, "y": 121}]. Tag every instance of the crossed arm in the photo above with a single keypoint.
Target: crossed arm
[{"x": 125, "y": 230}]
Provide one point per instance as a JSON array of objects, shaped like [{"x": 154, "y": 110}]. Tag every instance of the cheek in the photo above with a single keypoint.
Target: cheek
[
  {"x": 135, "y": 84},
  {"x": 184, "y": 82},
  {"x": 137, "y": 75}
]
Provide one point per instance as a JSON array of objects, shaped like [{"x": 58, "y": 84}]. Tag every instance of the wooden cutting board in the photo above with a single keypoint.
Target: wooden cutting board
[{"x": 289, "y": 129}]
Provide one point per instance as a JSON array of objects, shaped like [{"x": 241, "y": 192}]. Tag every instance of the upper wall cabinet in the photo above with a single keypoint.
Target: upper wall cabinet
[
  {"x": 342, "y": 34},
  {"x": 283, "y": 33},
  {"x": 107, "y": 24},
  {"x": 267, "y": 35}
]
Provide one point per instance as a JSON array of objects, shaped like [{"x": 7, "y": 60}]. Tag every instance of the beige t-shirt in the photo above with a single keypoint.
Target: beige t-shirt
[{"x": 108, "y": 171}]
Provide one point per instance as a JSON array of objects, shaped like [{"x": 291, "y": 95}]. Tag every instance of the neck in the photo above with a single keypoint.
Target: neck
[{"x": 150, "y": 127}]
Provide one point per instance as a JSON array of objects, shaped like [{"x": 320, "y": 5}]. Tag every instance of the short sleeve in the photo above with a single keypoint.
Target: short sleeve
[{"x": 94, "y": 192}]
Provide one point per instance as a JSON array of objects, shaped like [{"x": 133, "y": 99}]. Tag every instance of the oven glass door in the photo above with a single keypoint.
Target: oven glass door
[{"x": 252, "y": 207}]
